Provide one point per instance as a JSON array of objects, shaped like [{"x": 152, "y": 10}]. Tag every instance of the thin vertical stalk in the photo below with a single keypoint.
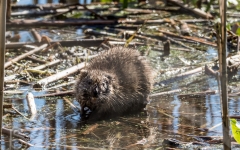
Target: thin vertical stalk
[
  {"x": 223, "y": 69},
  {"x": 3, "y": 6}
]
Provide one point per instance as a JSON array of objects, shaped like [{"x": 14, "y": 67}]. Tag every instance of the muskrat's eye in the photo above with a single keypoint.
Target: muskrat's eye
[
  {"x": 89, "y": 82},
  {"x": 95, "y": 91},
  {"x": 104, "y": 85}
]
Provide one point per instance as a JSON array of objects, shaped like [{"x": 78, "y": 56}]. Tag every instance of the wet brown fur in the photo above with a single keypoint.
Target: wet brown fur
[{"x": 114, "y": 83}]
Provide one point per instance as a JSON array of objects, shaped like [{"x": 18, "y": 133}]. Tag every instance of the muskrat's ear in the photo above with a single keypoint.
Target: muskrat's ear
[
  {"x": 109, "y": 77},
  {"x": 83, "y": 73}
]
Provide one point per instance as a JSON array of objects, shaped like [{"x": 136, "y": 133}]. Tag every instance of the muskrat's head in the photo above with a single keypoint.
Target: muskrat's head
[{"x": 94, "y": 88}]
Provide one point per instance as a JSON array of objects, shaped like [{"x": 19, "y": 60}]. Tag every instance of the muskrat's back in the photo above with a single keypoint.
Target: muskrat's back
[{"x": 116, "y": 82}]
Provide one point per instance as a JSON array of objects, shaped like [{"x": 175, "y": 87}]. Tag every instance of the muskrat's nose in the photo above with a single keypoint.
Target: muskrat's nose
[
  {"x": 85, "y": 90},
  {"x": 95, "y": 91}
]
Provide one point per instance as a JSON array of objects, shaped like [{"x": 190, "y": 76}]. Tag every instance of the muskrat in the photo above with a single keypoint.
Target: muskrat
[{"x": 114, "y": 83}]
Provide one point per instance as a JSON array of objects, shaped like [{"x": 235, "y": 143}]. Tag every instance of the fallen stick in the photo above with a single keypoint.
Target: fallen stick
[
  {"x": 61, "y": 13},
  {"x": 36, "y": 35},
  {"x": 16, "y": 82},
  {"x": 165, "y": 38},
  {"x": 61, "y": 85},
  {"x": 7, "y": 106},
  {"x": 34, "y": 13},
  {"x": 233, "y": 64},
  {"x": 182, "y": 76},
  {"x": 215, "y": 126},
  {"x": 36, "y": 60},
  {"x": 185, "y": 113},
  {"x": 149, "y": 10},
  {"x": 166, "y": 48},
  {"x": 233, "y": 57},
  {"x": 196, "y": 11},
  {"x": 19, "y": 113},
  {"x": 10, "y": 78},
  {"x": 95, "y": 32},
  {"x": 234, "y": 94},
  {"x": 197, "y": 94},
  {"x": 13, "y": 92},
  {"x": 47, "y": 65},
  {"x": 53, "y": 11},
  {"x": 45, "y": 81},
  {"x": 234, "y": 117},
  {"x": 71, "y": 92},
  {"x": 88, "y": 57},
  {"x": 51, "y": 6},
  {"x": 121, "y": 42},
  {"x": 71, "y": 104},
  {"x": 159, "y": 21},
  {"x": 7, "y": 64},
  {"x": 165, "y": 93},
  {"x": 93, "y": 12},
  {"x": 25, "y": 143},
  {"x": 210, "y": 71},
  {"x": 31, "y": 104},
  {"x": 194, "y": 39},
  {"x": 15, "y": 133},
  {"x": 154, "y": 38},
  {"x": 37, "y": 23},
  {"x": 82, "y": 42},
  {"x": 6, "y": 115}
]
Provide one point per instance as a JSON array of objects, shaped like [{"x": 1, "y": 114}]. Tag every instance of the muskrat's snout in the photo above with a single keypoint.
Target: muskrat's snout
[
  {"x": 95, "y": 91},
  {"x": 105, "y": 87},
  {"x": 100, "y": 89}
]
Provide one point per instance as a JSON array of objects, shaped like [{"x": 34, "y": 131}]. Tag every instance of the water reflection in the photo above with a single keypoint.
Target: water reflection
[{"x": 58, "y": 126}]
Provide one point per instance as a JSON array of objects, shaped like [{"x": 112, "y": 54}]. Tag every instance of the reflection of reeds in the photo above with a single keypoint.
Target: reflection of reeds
[
  {"x": 90, "y": 129},
  {"x": 151, "y": 138},
  {"x": 112, "y": 138},
  {"x": 145, "y": 141}
]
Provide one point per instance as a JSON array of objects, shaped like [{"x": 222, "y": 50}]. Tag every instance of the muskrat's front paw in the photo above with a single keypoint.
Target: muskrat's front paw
[{"x": 85, "y": 112}]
